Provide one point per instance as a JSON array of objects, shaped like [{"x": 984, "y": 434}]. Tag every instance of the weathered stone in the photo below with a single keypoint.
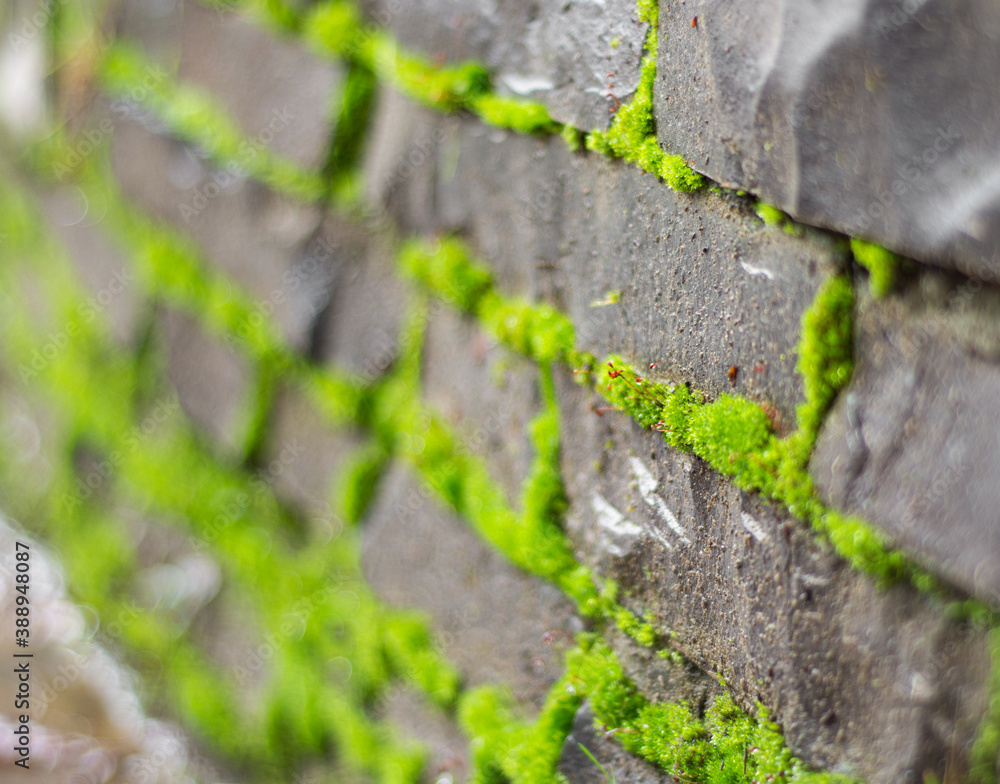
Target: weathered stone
[
  {"x": 579, "y": 58},
  {"x": 448, "y": 752},
  {"x": 277, "y": 91},
  {"x": 214, "y": 383},
  {"x": 578, "y": 768},
  {"x": 694, "y": 282},
  {"x": 303, "y": 452},
  {"x": 360, "y": 330},
  {"x": 911, "y": 445},
  {"x": 487, "y": 394},
  {"x": 490, "y": 617},
  {"x": 115, "y": 295},
  {"x": 861, "y": 679},
  {"x": 265, "y": 241},
  {"x": 844, "y": 115}
]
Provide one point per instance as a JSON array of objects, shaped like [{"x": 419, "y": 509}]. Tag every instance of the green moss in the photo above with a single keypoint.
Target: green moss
[
  {"x": 196, "y": 117},
  {"x": 358, "y": 481},
  {"x": 825, "y": 352},
  {"x": 632, "y": 135},
  {"x": 727, "y": 746},
  {"x": 573, "y": 137},
  {"x": 986, "y": 751},
  {"x": 728, "y": 430},
  {"x": 446, "y": 269},
  {"x": 350, "y": 132},
  {"x": 771, "y": 215},
  {"x": 337, "y": 28},
  {"x": 516, "y": 114},
  {"x": 883, "y": 266},
  {"x": 538, "y": 331}
]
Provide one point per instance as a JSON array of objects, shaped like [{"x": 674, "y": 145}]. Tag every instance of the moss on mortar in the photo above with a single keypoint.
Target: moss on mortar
[
  {"x": 632, "y": 135},
  {"x": 724, "y": 746},
  {"x": 883, "y": 266},
  {"x": 195, "y": 117}
]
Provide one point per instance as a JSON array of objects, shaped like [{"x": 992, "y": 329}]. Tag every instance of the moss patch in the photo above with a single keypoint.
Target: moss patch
[
  {"x": 632, "y": 135},
  {"x": 883, "y": 266}
]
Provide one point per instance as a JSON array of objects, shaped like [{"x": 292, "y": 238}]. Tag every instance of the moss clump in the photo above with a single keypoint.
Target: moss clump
[
  {"x": 883, "y": 266},
  {"x": 726, "y": 746},
  {"x": 447, "y": 269},
  {"x": 573, "y": 137},
  {"x": 505, "y": 749},
  {"x": 518, "y": 115},
  {"x": 538, "y": 331},
  {"x": 632, "y": 135},
  {"x": 825, "y": 351},
  {"x": 359, "y": 481},
  {"x": 770, "y": 214},
  {"x": 727, "y": 431}
]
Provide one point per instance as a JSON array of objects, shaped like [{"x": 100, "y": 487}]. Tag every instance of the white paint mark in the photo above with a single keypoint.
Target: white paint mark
[
  {"x": 647, "y": 488},
  {"x": 754, "y": 528},
  {"x": 525, "y": 84},
  {"x": 813, "y": 579},
  {"x": 611, "y": 519},
  {"x": 757, "y": 270}
]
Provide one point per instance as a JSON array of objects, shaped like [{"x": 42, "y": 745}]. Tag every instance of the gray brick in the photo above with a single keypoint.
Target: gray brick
[
  {"x": 878, "y": 682},
  {"x": 214, "y": 383},
  {"x": 265, "y": 241},
  {"x": 845, "y": 115},
  {"x": 490, "y": 617},
  {"x": 912, "y": 443},
  {"x": 579, "y": 58},
  {"x": 487, "y": 394},
  {"x": 279, "y": 93}
]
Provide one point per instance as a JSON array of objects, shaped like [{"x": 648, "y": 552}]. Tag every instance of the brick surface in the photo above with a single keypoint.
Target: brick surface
[
  {"x": 844, "y": 116},
  {"x": 280, "y": 94},
  {"x": 912, "y": 443},
  {"x": 487, "y": 394},
  {"x": 490, "y": 617},
  {"x": 214, "y": 383},
  {"x": 578, "y": 58},
  {"x": 860, "y": 678},
  {"x": 261, "y": 239},
  {"x": 702, "y": 285}
]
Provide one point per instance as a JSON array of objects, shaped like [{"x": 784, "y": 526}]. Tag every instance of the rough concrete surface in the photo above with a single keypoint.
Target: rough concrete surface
[
  {"x": 878, "y": 119},
  {"x": 912, "y": 444},
  {"x": 580, "y": 58},
  {"x": 490, "y": 617},
  {"x": 863, "y": 680},
  {"x": 702, "y": 284}
]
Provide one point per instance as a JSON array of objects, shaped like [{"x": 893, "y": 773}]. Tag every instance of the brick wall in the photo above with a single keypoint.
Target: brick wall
[{"x": 514, "y": 392}]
